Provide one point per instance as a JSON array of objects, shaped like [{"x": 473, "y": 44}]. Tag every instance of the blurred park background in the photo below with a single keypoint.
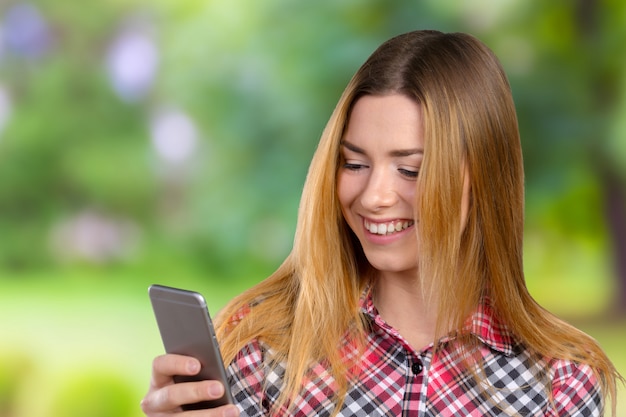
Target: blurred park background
[{"x": 166, "y": 141}]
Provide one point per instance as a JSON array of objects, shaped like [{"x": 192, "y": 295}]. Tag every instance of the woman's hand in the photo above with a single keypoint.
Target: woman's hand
[{"x": 164, "y": 397}]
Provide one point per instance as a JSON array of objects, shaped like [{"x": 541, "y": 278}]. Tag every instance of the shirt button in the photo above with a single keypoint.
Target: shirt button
[{"x": 417, "y": 367}]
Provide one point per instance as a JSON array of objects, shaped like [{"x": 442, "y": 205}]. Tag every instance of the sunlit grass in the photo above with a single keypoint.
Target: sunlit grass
[{"x": 72, "y": 326}]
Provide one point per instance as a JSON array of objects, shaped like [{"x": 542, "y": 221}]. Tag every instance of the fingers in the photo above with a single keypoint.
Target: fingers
[
  {"x": 165, "y": 398},
  {"x": 164, "y": 367},
  {"x": 189, "y": 393},
  {"x": 167, "y": 401},
  {"x": 170, "y": 398},
  {"x": 225, "y": 411}
]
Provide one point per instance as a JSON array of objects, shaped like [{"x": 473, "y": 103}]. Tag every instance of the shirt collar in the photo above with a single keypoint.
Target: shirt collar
[{"x": 482, "y": 323}]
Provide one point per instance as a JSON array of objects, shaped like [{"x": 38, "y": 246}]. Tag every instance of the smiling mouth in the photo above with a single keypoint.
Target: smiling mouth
[{"x": 388, "y": 228}]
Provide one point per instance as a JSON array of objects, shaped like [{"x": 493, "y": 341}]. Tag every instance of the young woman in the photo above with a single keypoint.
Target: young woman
[{"x": 404, "y": 293}]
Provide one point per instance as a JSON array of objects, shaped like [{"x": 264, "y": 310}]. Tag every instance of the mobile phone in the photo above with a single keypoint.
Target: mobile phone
[{"x": 186, "y": 329}]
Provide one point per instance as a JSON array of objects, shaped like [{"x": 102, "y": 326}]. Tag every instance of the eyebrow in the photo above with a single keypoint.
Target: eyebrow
[{"x": 395, "y": 153}]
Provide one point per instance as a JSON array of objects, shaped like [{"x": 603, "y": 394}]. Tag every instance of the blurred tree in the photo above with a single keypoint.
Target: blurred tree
[
  {"x": 70, "y": 143},
  {"x": 602, "y": 42}
]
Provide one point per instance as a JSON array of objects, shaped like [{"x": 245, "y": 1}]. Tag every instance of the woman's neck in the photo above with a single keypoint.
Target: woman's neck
[{"x": 401, "y": 302}]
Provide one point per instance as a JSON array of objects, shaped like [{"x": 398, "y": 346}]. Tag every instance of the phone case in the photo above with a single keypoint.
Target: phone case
[{"x": 186, "y": 329}]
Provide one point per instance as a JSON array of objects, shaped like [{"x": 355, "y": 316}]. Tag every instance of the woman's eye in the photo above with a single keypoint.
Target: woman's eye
[
  {"x": 353, "y": 167},
  {"x": 408, "y": 173}
]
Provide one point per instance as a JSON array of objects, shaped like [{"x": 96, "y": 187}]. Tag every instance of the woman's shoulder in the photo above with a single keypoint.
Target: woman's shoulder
[
  {"x": 576, "y": 388},
  {"x": 569, "y": 374}
]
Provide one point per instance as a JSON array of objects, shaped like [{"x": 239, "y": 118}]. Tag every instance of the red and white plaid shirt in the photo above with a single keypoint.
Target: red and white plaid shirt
[{"x": 396, "y": 380}]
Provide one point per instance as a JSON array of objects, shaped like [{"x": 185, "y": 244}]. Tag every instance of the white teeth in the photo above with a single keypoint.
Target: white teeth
[{"x": 387, "y": 228}]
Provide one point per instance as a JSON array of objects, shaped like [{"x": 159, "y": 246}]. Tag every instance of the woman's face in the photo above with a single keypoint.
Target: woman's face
[{"x": 382, "y": 151}]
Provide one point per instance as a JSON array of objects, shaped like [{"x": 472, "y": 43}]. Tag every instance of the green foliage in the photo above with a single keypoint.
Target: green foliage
[
  {"x": 260, "y": 93},
  {"x": 70, "y": 143}
]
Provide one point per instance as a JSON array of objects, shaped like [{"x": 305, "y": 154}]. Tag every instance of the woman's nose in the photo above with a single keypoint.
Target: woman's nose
[{"x": 379, "y": 191}]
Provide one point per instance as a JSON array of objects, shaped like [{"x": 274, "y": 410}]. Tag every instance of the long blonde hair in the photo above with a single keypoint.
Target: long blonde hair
[{"x": 311, "y": 303}]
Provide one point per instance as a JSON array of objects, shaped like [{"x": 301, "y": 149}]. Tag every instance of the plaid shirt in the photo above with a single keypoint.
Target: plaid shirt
[{"x": 397, "y": 380}]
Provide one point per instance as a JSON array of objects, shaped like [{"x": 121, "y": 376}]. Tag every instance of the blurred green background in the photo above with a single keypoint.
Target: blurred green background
[{"x": 167, "y": 142}]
